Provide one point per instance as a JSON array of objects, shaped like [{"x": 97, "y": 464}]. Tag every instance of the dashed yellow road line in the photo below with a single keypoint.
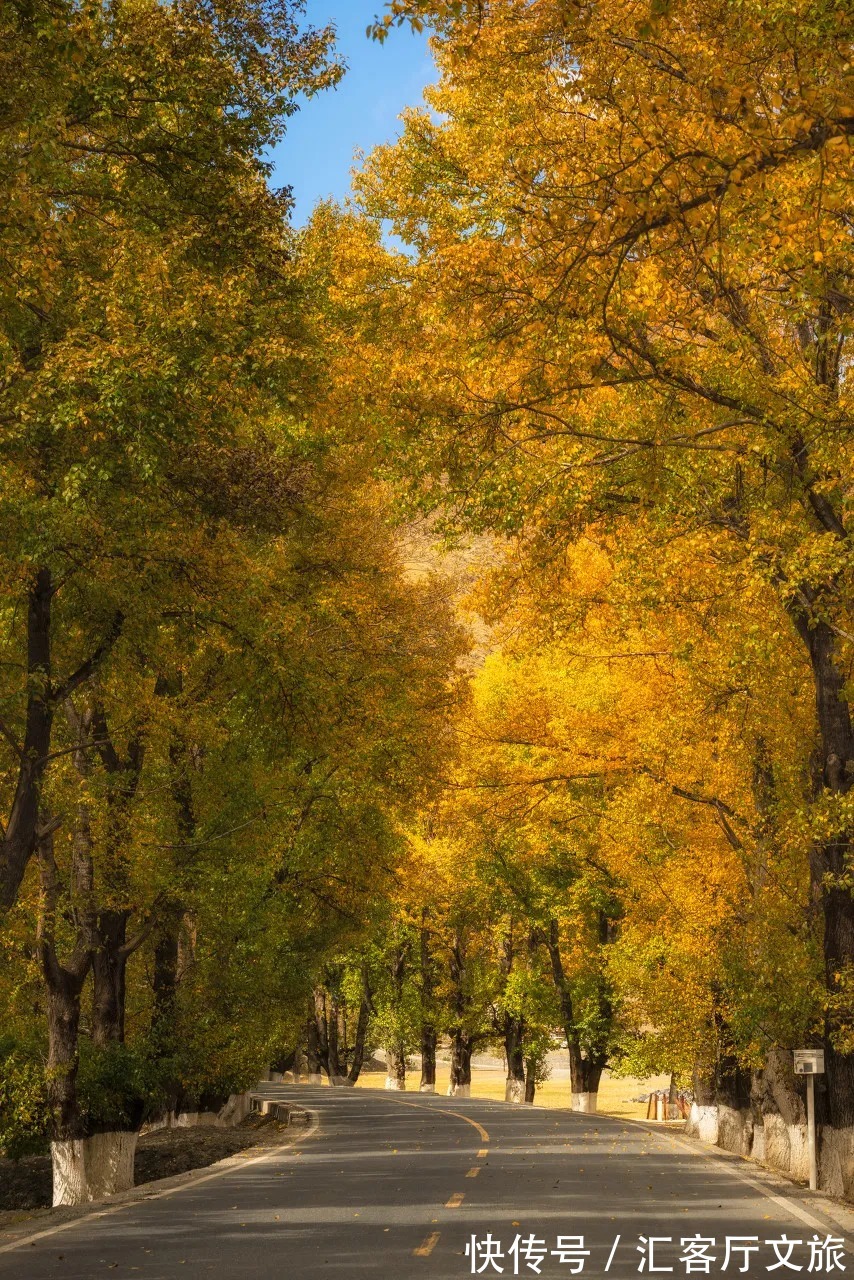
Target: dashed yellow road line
[
  {"x": 427, "y": 1246},
  {"x": 459, "y": 1196}
]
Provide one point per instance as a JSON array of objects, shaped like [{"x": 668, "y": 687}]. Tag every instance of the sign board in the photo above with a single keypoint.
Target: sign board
[{"x": 809, "y": 1062}]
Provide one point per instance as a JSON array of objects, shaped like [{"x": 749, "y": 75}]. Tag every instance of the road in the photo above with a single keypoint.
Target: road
[{"x": 393, "y": 1186}]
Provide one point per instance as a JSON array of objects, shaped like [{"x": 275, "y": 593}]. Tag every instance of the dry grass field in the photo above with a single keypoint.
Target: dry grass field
[{"x": 616, "y": 1095}]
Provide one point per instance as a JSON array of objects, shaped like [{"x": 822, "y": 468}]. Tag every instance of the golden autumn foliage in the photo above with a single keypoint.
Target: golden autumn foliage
[
  {"x": 624, "y": 318},
  {"x": 243, "y": 732}
]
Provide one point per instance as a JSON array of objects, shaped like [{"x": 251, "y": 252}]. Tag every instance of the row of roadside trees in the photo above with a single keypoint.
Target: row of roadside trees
[
  {"x": 219, "y": 691},
  {"x": 619, "y": 344},
  {"x": 242, "y": 749}
]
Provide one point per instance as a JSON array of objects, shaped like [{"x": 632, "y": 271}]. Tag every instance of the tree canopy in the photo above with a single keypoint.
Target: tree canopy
[{"x": 447, "y": 634}]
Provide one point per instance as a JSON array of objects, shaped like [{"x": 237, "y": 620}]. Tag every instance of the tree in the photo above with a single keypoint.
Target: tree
[
  {"x": 121, "y": 233},
  {"x": 249, "y": 691},
  {"x": 630, "y": 302}
]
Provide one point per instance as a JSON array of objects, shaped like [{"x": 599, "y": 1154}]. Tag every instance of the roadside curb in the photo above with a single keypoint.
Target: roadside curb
[
  {"x": 305, "y": 1122},
  {"x": 287, "y": 1113}
]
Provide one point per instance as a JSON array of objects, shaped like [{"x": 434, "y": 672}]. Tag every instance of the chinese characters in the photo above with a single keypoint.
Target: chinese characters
[{"x": 684, "y": 1255}]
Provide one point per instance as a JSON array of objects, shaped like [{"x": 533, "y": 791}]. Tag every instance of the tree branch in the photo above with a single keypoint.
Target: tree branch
[
  {"x": 7, "y": 733},
  {"x": 87, "y": 667}
]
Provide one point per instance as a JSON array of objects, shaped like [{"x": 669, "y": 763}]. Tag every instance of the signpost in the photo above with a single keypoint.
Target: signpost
[{"x": 810, "y": 1062}]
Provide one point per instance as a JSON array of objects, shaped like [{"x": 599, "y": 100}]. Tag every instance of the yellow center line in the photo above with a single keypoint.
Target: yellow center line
[
  {"x": 427, "y": 1246},
  {"x": 459, "y": 1196},
  {"x": 458, "y": 1115}
]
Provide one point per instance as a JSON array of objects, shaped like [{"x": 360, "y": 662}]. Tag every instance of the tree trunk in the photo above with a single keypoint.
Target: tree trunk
[
  {"x": 673, "y": 1112},
  {"x": 462, "y": 1048},
  {"x": 585, "y": 1074},
  {"x": 428, "y": 1058},
  {"x": 113, "y": 950},
  {"x": 334, "y": 1069},
  {"x": 360, "y": 1041},
  {"x": 109, "y": 968},
  {"x": 63, "y": 1022},
  {"x": 703, "y": 1120},
  {"x": 63, "y": 985},
  {"x": 838, "y": 907},
  {"x": 530, "y": 1080},
  {"x": 170, "y": 952},
  {"x": 829, "y": 862},
  {"x": 19, "y": 839},
  {"x": 321, "y": 1024},
  {"x": 462, "y": 1042},
  {"x": 173, "y": 950},
  {"x": 514, "y": 1034},
  {"x": 164, "y": 982},
  {"x": 732, "y": 1084},
  {"x": 312, "y": 1049},
  {"x": 585, "y": 1069},
  {"x": 109, "y": 1162},
  {"x": 732, "y": 1098},
  {"x": 396, "y": 1067},
  {"x": 110, "y": 1152},
  {"x": 429, "y": 1035},
  {"x": 395, "y": 1047},
  {"x": 513, "y": 1029},
  {"x": 107, "y": 1155},
  {"x": 164, "y": 986}
]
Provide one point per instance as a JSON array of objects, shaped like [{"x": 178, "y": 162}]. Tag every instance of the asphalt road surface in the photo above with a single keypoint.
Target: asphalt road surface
[{"x": 406, "y": 1186}]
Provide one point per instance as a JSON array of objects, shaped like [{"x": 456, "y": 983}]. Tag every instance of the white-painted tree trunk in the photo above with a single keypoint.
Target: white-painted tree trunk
[
  {"x": 514, "y": 1090},
  {"x": 786, "y": 1148},
  {"x": 708, "y": 1124},
  {"x": 392, "y": 1082},
  {"x": 585, "y": 1103},
  {"x": 187, "y": 1119},
  {"x": 235, "y": 1110},
  {"x": 703, "y": 1123},
  {"x": 757, "y": 1151},
  {"x": 165, "y": 1121},
  {"x": 314, "y": 1077},
  {"x": 109, "y": 1163},
  {"x": 427, "y": 1088},
  {"x": 70, "y": 1184},
  {"x": 836, "y": 1162},
  {"x": 736, "y": 1130},
  {"x": 774, "y": 1141},
  {"x": 86, "y": 1169},
  {"x": 459, "y": 1090}
]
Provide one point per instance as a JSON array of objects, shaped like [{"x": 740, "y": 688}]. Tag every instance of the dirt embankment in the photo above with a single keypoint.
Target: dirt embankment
[{"x": 27, "y": 1184}]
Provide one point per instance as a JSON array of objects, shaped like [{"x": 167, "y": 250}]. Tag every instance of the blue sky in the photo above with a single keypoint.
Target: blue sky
[{"x": 316, "y": 156}]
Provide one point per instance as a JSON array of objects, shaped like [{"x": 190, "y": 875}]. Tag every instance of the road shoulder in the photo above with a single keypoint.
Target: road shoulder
[
  {"x": 813, "y": 1207},
  {"x": 45, "y": 1222}
]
